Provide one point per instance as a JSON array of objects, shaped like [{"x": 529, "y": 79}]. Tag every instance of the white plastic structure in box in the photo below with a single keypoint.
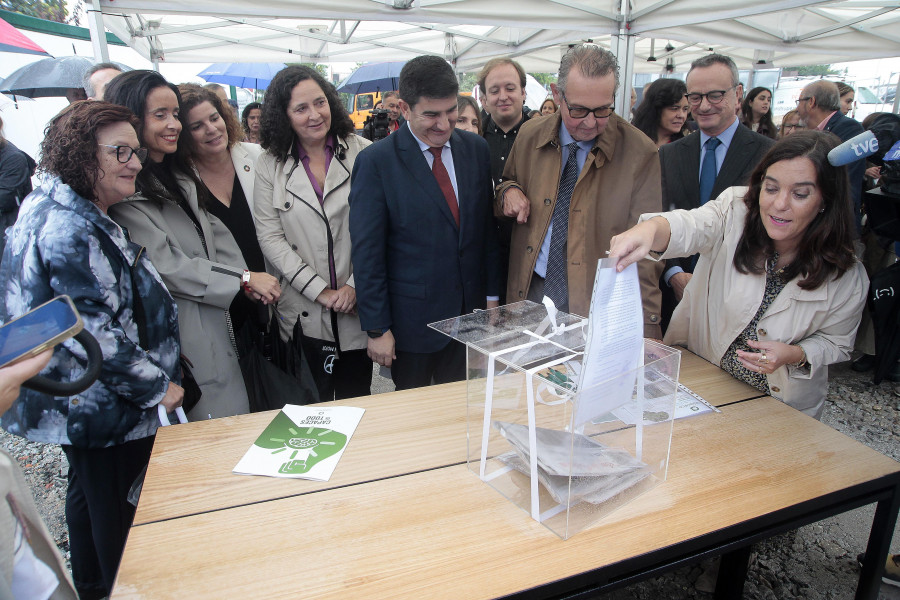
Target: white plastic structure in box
[{"x": 530, "y": 435}]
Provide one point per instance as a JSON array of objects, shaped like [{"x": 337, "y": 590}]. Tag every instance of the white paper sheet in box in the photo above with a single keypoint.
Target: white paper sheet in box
[{"x": 526, "y": 434}]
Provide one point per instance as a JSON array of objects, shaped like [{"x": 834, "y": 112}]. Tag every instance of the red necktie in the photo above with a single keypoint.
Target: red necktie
[{"x": 443, "y": 179}]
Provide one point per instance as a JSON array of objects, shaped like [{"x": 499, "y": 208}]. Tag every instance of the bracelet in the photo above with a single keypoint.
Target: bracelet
[{"x": 803, "y": 362}]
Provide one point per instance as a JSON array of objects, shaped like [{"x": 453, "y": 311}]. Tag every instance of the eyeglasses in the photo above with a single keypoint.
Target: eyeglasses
[
  {"x": 580, "y": 112},
  {"x": 789, "y": 126},
  {"x": 799, "y": 100},
  {"x": 713, "y": 97},
  {"x": 124, "y": 153}
]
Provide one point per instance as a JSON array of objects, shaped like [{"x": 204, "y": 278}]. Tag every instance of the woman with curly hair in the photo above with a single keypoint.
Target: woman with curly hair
[
  {"x": 195, "y": 253},
  {"x": 225, "y": 167},
  {"x": 64, "y": 243},
  {"x": 301, "y": 203},
  {"x": 756, "y": 112},
  {"x": 662, "y": 114},
  {"x": 777, "y": 293},
  {"x": 250, "y": 122}
]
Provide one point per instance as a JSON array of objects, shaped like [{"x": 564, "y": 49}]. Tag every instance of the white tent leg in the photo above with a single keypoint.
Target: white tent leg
[
  {"x": 98, "y": 34},
  {"x": 622, "y": 45}
]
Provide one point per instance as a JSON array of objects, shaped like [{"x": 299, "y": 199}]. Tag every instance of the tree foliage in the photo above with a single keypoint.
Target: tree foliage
[
  {"x": 51, "y": 10},
  {"x": 813, "y": 70}
]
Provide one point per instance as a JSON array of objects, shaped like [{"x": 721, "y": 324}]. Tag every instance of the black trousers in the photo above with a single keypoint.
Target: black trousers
[
  {"x": 352, "y": 375},
  {"x": 98, "y": 513},
  {"x": 412, "y": 369}
]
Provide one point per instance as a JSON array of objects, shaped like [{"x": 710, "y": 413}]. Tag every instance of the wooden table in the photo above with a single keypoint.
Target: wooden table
[
  {"x": 755, "y": 470},
  {"x": 190, "y": 469}
]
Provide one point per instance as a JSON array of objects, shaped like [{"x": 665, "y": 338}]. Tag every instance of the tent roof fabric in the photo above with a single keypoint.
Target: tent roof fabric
[{"x": 534, "y": 32}]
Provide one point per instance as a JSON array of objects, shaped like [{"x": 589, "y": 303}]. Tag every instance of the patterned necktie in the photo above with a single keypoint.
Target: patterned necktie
[
  {"x": 708, "y": 170},
  {"x": 443, "y": 179},
  {"x": 556, "y": 284}
]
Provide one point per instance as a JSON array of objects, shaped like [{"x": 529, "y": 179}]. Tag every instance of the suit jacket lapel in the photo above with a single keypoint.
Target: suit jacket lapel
[
  {"x": 415, "y": 162},
  {"x": 736, "y": 158},
  {"x": 243, "y": 166},
  {"x": 690, "y": 172}
]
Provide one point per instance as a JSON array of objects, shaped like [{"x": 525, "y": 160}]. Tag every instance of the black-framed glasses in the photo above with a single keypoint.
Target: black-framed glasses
[
  {"x": 580, "y": 112},
  {"x": 799, "y": 100},
  {"x": 124, "y": 153},
  {"x": 792, "y": 126},
  {"x": 713, "y": 97}
]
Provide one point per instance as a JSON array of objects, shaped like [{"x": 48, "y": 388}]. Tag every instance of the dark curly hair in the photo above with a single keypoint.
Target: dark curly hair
[
  {"x": 246, "y": 113},
  {"x": 826, "y": 248},
  {"x": 275, "y": 132},
  {"x": 766, "y": 125},
  {"x": 661, "y": 94},
  {"x": 69, "y": 149},
  {"x": 193, "y": 95}
]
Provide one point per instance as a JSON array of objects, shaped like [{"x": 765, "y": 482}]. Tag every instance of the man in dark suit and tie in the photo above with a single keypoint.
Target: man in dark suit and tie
[
  {"x": 819, "y": 106},
  {"x": 423, "y": 241},
  {"x": 699, "y": 167}
]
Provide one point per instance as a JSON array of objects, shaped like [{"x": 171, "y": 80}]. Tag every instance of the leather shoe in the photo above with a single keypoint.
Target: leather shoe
[{"x": 863, "y": 363}]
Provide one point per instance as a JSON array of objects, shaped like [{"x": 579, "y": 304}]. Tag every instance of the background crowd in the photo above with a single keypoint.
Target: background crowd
[{"x": 180, "y": 230}]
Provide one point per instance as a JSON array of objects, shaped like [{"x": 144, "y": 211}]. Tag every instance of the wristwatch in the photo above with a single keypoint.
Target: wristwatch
[
  {"x": 245, "y": 280},
  {"x": 376, "y": 333}
]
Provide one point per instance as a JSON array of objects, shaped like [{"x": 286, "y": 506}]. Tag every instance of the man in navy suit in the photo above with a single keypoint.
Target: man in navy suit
[
  {"x": 714, "y": 92},
  {"x": 819, "y": 106},
  {"x": 423, "y": 242}
]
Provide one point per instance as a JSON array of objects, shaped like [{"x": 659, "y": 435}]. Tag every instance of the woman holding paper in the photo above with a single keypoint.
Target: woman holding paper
[{"x": 777, "y": 293}]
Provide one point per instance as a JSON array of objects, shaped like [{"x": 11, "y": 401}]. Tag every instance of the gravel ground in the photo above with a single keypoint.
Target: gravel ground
[{"x": 817, "y": 562}]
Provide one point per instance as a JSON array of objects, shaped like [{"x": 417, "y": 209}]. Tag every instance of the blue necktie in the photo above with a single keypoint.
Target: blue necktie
[
  {"x": 556, "y": 283},
  {"x": 708, "y": 170}
]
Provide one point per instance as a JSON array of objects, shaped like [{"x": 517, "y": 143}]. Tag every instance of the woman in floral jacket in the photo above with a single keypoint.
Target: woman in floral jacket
[{"x": 64, "y": 243}]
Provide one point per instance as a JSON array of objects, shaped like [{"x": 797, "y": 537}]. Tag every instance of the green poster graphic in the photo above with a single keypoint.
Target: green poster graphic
[{"x": 303, "y": 446}]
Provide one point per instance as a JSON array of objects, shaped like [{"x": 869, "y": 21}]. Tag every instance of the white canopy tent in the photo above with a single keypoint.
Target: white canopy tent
[{"x": 534, "y": 32}]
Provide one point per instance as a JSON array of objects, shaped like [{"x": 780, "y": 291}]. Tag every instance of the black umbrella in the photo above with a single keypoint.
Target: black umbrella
[
  {"x": 47, "y": 77},
  {"x": 884, "y": 305}
]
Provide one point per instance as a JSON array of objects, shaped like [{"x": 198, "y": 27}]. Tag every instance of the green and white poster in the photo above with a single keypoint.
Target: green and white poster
[{"x": 302, "y": 442}]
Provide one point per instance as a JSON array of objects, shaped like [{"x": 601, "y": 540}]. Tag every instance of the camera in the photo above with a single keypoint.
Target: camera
[{"x": 376, "y": 125}]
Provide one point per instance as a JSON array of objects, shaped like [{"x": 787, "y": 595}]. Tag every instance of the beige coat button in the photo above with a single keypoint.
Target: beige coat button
[
  {"x": 776, "y": 389},
  {"x": 654, "y": 318},
  {"x": 761, "y": 331}
]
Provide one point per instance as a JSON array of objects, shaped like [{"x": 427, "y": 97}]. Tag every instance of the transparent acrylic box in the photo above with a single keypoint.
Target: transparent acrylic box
[{"x": 530, "y": 433}]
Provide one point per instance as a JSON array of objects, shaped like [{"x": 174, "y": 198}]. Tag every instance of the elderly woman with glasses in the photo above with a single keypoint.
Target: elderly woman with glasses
[{"x": 65, "y": 243}]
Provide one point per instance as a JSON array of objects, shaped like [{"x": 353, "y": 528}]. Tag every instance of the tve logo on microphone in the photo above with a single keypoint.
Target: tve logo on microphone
[{"x": 864, "y": 148}]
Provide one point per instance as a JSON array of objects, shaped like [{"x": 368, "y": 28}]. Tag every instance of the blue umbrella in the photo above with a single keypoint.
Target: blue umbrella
[
  {"x": 255, "y": 76},
  {"x": 373, "y": 77}
]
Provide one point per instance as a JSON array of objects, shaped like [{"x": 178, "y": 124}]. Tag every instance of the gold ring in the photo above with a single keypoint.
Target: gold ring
[{"x": 764, "y": 360}]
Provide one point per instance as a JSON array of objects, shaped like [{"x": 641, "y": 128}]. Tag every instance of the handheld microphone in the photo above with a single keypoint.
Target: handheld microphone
[
  {"x": 341, "y": 152},
  {"x": 856, "y": 148}
]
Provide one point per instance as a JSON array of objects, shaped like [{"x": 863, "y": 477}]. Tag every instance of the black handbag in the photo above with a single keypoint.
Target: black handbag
[
  {"x": 275, "y": 372},
  {"x": 322, "y": 356}
]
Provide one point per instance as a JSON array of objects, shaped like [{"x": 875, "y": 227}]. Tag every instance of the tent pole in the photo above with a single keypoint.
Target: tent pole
[
  {"x": 622, "y": 45},
  {"x": 98, "y": 34}
]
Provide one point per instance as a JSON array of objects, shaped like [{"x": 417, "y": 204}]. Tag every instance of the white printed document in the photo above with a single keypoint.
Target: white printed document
[
  {"x": 302, "y": 442},
  {"x": 615, "y": 342}
]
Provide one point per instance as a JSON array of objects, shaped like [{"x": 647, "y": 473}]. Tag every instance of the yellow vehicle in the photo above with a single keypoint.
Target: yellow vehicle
[{"x": 360, "y": 106}]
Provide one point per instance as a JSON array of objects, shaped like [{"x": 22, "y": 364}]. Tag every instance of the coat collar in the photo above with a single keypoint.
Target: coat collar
[
  {"x": 57, "y": 191},
  {"x": 604, "y": 146}
]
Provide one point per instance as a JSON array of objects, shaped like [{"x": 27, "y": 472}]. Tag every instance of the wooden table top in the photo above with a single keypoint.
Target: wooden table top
[
  {"x": 443, "y": 533},
  {"x": 400, "y": 433}
]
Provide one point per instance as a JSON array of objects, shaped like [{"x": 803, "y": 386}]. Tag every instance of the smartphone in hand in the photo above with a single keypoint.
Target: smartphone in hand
[{"x": 40, "y": 328}]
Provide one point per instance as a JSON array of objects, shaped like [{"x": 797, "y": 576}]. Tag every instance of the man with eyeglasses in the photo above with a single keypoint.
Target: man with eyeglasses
[
  {"x": 572, "y": 181},
  {"x": 699, "y": 167},
  {"x": 819, "y": 106}
]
